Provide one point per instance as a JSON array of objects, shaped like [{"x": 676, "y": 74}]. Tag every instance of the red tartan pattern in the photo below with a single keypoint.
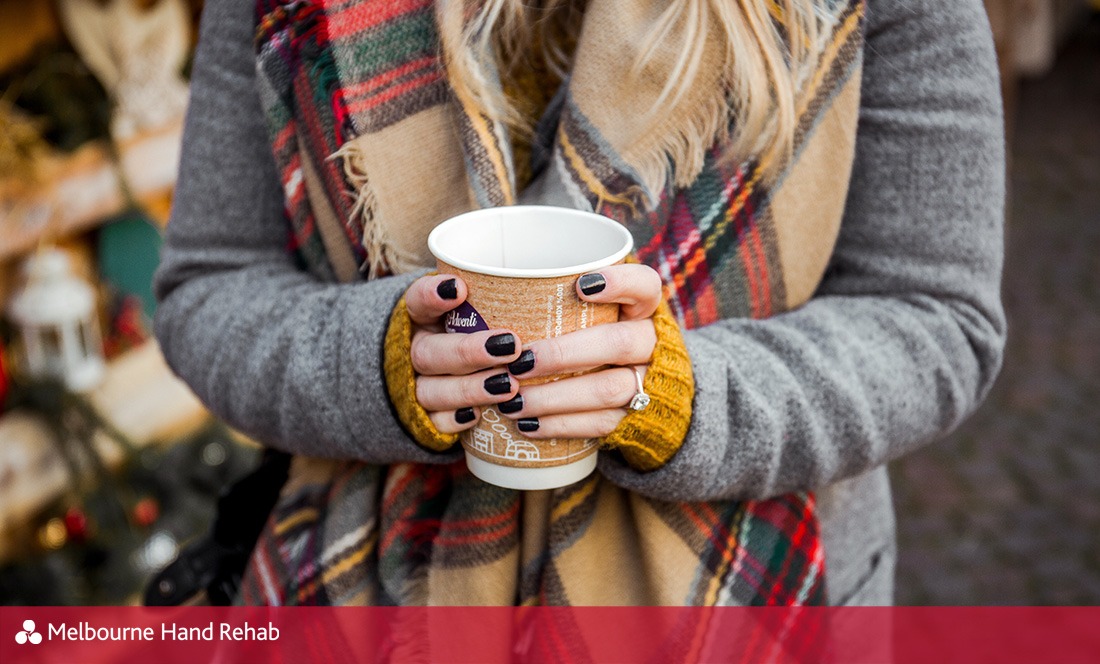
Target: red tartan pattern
[
  {"x": 712, "y": 242},
  {"x": 317, "y": 98}
]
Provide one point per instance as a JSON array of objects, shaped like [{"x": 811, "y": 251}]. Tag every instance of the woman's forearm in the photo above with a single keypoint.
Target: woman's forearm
[
  {"x": 904, "y": 336},
  {"x": 291, "y": 360}
]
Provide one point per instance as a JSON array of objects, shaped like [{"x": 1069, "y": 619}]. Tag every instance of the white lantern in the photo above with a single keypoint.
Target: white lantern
[{"x": 56, "y": 316}]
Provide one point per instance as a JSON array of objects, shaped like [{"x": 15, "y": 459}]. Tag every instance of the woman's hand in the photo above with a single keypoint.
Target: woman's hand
[
  {"x": 454, "y": 377},
  {"x": 457, "y": 374},
  {"x": 591, "y": 405}
]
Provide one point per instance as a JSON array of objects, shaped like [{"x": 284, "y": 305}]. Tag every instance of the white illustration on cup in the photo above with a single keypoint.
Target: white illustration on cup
[
  {"x": 483, "y": 441},
  {"x": 521, "y": 450}
]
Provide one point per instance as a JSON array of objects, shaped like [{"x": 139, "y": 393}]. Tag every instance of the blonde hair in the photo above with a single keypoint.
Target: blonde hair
[{"x": 768, "y": 50}]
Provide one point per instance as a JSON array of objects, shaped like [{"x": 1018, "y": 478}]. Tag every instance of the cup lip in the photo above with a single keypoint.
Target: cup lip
[{"x": 530, "y": 273}]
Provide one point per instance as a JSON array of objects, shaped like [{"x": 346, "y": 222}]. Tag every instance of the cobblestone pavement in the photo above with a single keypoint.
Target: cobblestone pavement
[{"x": 1007, "y": 510}]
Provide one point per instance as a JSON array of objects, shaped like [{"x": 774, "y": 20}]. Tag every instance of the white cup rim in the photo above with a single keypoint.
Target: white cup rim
[{"x": 529, "y": 273}]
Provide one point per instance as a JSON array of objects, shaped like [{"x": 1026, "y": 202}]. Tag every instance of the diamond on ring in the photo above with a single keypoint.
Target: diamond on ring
[{"x": 640, "y": 400}]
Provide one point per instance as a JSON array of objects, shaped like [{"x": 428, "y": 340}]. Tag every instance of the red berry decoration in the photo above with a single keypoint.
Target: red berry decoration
[
  {"x": 146, "y": 512},
  {"x": 3, "y": 379},
  {"x": 76, "y": 524}
]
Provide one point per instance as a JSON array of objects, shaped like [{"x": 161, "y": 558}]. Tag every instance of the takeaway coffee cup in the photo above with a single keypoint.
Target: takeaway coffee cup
[{"x": 521, "y": 265}]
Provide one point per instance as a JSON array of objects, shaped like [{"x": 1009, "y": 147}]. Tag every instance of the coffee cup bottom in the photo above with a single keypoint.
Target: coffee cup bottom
[{"x": 531, "y": 479}]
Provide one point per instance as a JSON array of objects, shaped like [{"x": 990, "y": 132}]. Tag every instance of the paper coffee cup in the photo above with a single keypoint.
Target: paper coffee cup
[{"x": 521, "y": 265}]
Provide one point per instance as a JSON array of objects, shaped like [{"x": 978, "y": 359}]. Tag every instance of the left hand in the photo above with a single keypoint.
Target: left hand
[{"x": 593, "y": 404}]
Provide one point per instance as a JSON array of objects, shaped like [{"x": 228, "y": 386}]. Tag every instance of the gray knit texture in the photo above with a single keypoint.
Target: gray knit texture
[{"x": 902, "y": 340}]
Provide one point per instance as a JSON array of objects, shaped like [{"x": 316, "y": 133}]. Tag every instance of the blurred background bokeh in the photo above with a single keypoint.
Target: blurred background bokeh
[
  {"x": 109, "y": 465},
  {"x": 1007, "y": 510}
]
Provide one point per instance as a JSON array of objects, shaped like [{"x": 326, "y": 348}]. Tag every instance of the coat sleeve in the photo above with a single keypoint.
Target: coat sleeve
[
  {"x": 290, "y": 360},
  {"x": 904, "y": 336}
]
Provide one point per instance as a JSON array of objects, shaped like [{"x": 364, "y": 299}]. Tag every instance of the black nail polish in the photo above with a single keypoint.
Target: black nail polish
[
  {"x": 498, "y": 384},
  {"x": 513, "y": 405},
  {"x": 448, "y": 290},
  {"x": 528, "y": 424},
  {"x": 500, "y": 345},
  {"x": 592, "y": 283},
  {"x": 524, "y": 363},
  {"x": 464, "y": 415}
]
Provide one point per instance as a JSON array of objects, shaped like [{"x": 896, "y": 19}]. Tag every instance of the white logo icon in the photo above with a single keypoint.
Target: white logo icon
[{"x": 28, "y": 634}]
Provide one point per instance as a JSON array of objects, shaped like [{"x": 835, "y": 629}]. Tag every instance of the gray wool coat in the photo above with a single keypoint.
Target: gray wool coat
[{"x": 901, "y": 341}]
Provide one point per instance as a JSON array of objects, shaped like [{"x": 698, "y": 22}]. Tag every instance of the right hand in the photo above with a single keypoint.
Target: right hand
[{"x": 456, "y": 374}]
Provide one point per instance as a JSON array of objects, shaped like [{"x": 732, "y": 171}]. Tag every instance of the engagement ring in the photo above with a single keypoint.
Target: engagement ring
[{"x": 641, "y": 399}]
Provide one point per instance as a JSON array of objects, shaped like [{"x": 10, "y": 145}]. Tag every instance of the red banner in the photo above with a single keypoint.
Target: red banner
[{"x": 299, "y": 635}]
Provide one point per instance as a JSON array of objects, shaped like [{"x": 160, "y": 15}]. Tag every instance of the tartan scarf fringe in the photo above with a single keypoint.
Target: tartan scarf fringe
[
  {"x": 359, "y": 89},
  {"x": 380, "y": 253}
]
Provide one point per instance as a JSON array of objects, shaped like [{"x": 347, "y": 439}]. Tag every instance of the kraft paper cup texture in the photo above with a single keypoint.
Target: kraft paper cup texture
[{"x": 521, "y": 265}]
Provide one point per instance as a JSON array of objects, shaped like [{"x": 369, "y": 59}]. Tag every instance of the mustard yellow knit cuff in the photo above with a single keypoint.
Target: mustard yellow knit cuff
[
  {"x": 401, "y": 384},
  {"x": 649, "y": 438}
]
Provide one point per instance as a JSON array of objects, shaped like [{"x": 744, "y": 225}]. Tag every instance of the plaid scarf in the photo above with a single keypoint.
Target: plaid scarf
[{"x": 374, "y": 148}]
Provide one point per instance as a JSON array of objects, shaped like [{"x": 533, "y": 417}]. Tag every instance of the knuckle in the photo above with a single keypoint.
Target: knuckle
[
  {"x": 471, "y": 351},
  {"x": 608, "y": 388},
  {"x": 656, "y": 284},
  {"x": 620, "y": 341},
  {"x": 416, "y": 296},
  {"x": 472, "y": 389},
  {"x": 607, "y": 421},
  {"x": 420, "y": 356},
  {"x": 647, "y": 341},
  {"x": 550, "y": 356},
  {"x": 423, "y": 393},
  {"x": 441, "y": 422}
]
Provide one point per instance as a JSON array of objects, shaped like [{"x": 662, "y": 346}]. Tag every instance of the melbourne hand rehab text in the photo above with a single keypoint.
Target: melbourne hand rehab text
[{"x": 168, "y": 632}]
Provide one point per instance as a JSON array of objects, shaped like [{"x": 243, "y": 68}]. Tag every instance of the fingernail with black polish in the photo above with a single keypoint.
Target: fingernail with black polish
[
  {"x": 513, "y": 405},
  {"x": 498, "y": 384},
  {"x": 448, "y": 290},
  {"x": 528, "y": 424},
  {"x": 592, "y": 283},
  {"x": 524, "y": 363},
  {"x": 500, "y": 345},
  {"x": 464, "y": 415}
]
